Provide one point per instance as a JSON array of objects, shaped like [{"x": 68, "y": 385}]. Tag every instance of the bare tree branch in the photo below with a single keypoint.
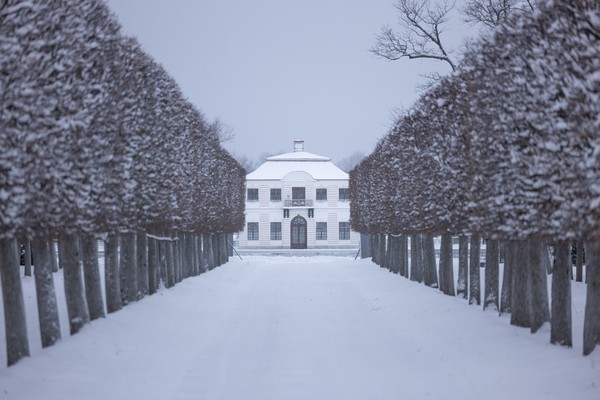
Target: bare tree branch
[
  {"x": 422, "y": 25},
  {"x": 493, "y": 12},
  {"x": 223, "y": 131}
]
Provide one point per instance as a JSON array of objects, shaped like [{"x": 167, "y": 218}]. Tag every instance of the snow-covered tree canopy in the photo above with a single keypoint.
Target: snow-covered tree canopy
[
  {"x": 508, "y": 146},
  {"x": 95, "y": 136}
]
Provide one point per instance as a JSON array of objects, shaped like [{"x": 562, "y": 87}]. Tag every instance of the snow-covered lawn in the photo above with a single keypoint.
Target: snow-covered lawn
[{"x": 302, "y": 328}]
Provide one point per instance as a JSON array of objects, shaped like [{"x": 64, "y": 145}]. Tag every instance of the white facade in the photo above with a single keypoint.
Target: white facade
[{"x": 297, "y": 200}]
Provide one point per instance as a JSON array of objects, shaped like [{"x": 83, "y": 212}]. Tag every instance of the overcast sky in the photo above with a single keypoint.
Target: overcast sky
[{"x": 278, "y": 70}]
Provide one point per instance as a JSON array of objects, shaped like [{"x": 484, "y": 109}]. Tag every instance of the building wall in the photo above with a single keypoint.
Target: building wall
[{"x": 265, "y": 211}]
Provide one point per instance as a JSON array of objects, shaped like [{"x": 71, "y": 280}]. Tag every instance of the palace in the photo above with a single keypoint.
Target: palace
[{"x": 298, "y": 200}]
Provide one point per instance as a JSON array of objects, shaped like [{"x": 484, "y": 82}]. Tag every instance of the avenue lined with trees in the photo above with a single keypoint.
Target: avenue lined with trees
[
  {"x": 505, "y": 149},
  {"x": 99, "y": 143}
]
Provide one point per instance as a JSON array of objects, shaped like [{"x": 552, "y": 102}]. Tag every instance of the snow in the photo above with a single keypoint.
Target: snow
[
  {"x": 277, "y": 170},
  {"x": 298, "y": 156},
  {"x": 301, "y": 328}
]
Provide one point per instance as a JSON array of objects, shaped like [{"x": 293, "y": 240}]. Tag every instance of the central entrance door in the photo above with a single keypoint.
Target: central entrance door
[{"x": 298, "y": 233}]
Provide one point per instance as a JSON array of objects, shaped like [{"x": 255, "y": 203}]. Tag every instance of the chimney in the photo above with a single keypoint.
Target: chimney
[{"x": 298, "y": 145}]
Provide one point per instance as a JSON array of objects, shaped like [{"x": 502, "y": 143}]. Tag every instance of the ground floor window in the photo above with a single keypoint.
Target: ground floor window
[
  {"x": 252, "y": 230},
  {"x": 344, "y": 230},
  {"x": 321, "y": 230},
  {"x": 275, "y": 230}
]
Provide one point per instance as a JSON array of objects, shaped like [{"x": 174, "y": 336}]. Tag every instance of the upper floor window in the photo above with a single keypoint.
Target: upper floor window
[
  {"x": 252, "y": 195},
  {"x": 321, "y": 194},
  {"x": 298, "y": 193},
  {"x": 275, "y": 194},
  {"x": 344, "y": 194}
]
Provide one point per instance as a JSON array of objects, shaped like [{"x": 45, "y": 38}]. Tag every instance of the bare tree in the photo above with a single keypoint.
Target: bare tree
[
  {"x": 422, "y": 25},
  {"x": 223, "y": 131},
  {"x": 492, "y": 13},
  {"x": 348, "y": 163}
]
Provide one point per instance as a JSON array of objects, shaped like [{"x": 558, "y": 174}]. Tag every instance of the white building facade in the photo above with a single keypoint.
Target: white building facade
[{"x": 298, "y": 200}]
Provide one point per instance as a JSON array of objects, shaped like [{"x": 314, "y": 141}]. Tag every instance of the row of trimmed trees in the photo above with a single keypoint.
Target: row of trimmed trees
[
  {"x": 97, "y": 141},
  {"x": 506, "y": 149}
]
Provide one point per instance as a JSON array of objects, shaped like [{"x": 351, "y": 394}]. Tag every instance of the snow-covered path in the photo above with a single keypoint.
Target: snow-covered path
[{"x": 304, "y": 328}]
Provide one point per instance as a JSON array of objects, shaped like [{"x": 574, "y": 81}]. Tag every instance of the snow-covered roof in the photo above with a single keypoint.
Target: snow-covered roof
[
  {"x": 298, "y": 156},
  {"x": 277, "y": 167}
]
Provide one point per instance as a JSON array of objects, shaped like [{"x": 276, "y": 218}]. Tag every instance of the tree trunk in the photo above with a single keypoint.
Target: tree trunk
[
  {"x": 561, "y": 328},
  {"x": 170, "y": 264},
  {"x": 229, "y": 244},
  {"x": 77, "y": 307},
  {"x": 128, "y": 268},
  {"x": 45, "y": 293},
  {"x": 200, "y": 255},
  {"x": 520, "y": 293},
  {"x": 509, "y": 266},
  {"x": 180, "y": 257},
  {"x": 591, "y": 324},
  {"x": 217, "y": 249},
  {"x": 446, "y": 266},
  {"x": 152, "y": 265},
  {"x": 53, "y": 260},
  {"x": 112, "y": 280},
  {"x": 385, "y": 254},
  {"x": 27, "y": 257},
  {"x": 91, "y": 275},
  {"x": 491, "y": 275},
  {"x": 225, "y": 250},
  {"x": 176, "y": 258},
  {"x": 17, "y": 344},
  {"x": 430, "y": 277},
  {"x": 373, "y": 240},
  {"x": 210, "y": 260},
  {"x": 365, "y": 246},
  {"x": 189, "y": 253},
  {"x": 404, "y": 255},
  {"x": 546, "y": 259},
  {"x": 141, "y": 249},
  {"x": 579, "y": 262},
  {"x": 416, "y": 266},
  {"x": 474, "y": 282},
  {"x": 539, "y": 308},
  {"x": 462, "y": 285}
]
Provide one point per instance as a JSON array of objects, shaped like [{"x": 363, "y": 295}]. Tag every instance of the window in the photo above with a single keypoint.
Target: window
[
  {"x": 252, "y": 230},
  {"x": 286, "y": 213},
  {"x": 275, "y": 230},
  {"x": 275, "y": 194},
  {"x": 311, "y": 213},
  {"x": 344, "y": 194},
  {"x": 321, "y": 194},
  {"x": 321, "y": 230},
  {"x": 252, "y": 194},
  {"x": 298, "y": 193},
  {"x": 344, "y": 230}
]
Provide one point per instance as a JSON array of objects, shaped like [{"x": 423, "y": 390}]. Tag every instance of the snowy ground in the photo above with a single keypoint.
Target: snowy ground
[{"x": 302, "y": 328}]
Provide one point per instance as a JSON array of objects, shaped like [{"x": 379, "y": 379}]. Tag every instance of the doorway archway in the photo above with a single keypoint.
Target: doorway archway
[{"x": 298, "y": 233}]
